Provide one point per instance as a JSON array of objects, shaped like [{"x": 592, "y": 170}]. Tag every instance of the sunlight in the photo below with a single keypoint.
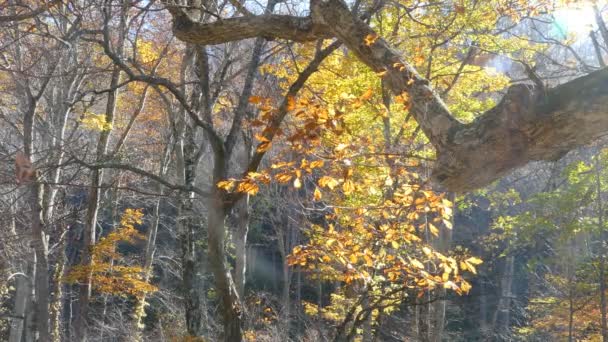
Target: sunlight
[{"x": 575, "y": 19}]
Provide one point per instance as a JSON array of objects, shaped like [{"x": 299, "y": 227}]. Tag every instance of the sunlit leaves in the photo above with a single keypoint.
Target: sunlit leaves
[
  {"x": 109, "y": 271},
  {"x": 97, "y": 122}
]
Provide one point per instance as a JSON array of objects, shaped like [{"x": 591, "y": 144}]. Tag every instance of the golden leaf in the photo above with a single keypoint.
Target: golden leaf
[
  {"x": 226, "y": 184},
  {"x": 434, "y": 230},
  {"x": 255, "y": 99},
  {"x": 367, "y": 95},
  {"x": 474, "y": 261},
  {"x": 291, "y": 103},
  {"x": 263, "y": 147},
  {"x": 370, "y": 39},
  {"x": 328, "y": 182},
  {"x": 317, "y": 194},
  {"x": 348, "y": 187},
  {"x": 417, "y": 264}
]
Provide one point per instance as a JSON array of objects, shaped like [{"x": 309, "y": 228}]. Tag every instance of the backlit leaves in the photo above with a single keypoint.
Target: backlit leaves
[{"x": 109, "y": 271}]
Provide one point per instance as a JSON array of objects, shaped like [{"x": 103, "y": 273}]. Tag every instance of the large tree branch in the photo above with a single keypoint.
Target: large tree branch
[
  {"x": 271, "y": 26},
  {"x": 529, "y": 124}
]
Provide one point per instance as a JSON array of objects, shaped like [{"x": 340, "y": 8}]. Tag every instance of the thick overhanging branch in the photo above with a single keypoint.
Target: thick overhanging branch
[
  {"x": 529, "y": 124},
  {"x": 270, "y": 26}
]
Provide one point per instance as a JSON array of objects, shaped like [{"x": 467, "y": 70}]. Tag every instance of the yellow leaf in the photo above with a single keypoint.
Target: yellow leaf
[
  {"x": 370, "y": 39},
  {"x": 255, "y": 99},
  {"x": 316, "y": 164},
  {"x": 448, "y": 224},
  {"x": 367, "y": 95},
  {"x": 283, "y": 177},
  {"x": 248, "y": 187},
  {"x": 417, "y": 264},
  {"x": 340, "y": 147},
  {"x": 226, "y": 184},
  {"x": 264, "y": 146},
  {"x": 353, "y": 258},
  {"x": 297, "y": 183},
  {"x": 471, "y": 267},
  {"x": 450, "y": 285},
  {"x": 348, "y": 186},
  {"x": 465, "y": 287},
  {"x": 434, "y": 230},
  {"x": 474, "y": 261},
  {"x": 317, "y": 194},
  {"x": 261, "y": 138},
  {"x": 328, "y": 182},
  {"x": 395, "y": 244},
  {"x": 291, "y": 103},
  {"x": 368, "y": 260}
]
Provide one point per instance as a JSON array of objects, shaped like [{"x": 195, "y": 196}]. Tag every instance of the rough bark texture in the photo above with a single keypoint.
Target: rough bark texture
[
  {"x": 529, "y": 124},
  {"x": 271, "y": 26}
]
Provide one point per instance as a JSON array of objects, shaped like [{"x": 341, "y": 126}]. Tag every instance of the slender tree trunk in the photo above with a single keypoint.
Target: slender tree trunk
[
  {"x": 56, "y": 304},
  {"x": 443, "y": 244},
  {"x": 230, "y": 302},
  {"x": 24, "y": 291},
  {"x": 483, "y": 309},
  {"x": 240, "y": 242},
  {"x": 501, "y": 320},
  {"x": 189, "y": 231},
  {"x": 602, "y": 249},
  {"x": 39, "y": 240},
  {"x": 285, "y": 237},
  {"x": 191, "y": 274},
  {"x": 570, "y": 315}
]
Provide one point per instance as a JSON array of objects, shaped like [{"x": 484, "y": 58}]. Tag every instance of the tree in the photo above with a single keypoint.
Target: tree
[{"x": 539, "y": 124}]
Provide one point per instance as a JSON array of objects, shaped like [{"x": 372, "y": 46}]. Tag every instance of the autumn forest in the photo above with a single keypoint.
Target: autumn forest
[{"x": 303, "y": 170}]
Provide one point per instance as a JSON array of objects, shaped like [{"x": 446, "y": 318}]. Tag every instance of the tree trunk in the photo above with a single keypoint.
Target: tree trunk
[
  {"x": 41, "y": 278},
  {"x": 602, "y": 250},
  {"x": 189, "y": 230},
  {"x": 241, "y": 212},
  {"x": 442, "y": 244},
  {"x": 231, "y": 308},
  {"x": 22, "y": 296},
  {"x": 56, "y": 304},
  {"x": 502, "y": 321}
]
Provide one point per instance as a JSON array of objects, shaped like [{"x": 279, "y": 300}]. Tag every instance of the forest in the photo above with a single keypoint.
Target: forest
[{"x": 303, "y": 170}]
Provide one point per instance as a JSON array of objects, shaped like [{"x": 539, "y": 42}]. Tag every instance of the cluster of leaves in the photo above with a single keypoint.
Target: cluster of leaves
[
  {"x": 95, "y": 122},
  {"x": 379, "y": 217},
  {"x": 109, "y": 274}
]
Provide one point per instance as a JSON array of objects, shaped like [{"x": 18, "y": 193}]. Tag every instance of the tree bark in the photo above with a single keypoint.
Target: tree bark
[
  {"x": 231, "y": 308},
  {"x": 602, "y": 250},
  {"x": 24, "y": 291},
  {"x": 502, "y": 315}
]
